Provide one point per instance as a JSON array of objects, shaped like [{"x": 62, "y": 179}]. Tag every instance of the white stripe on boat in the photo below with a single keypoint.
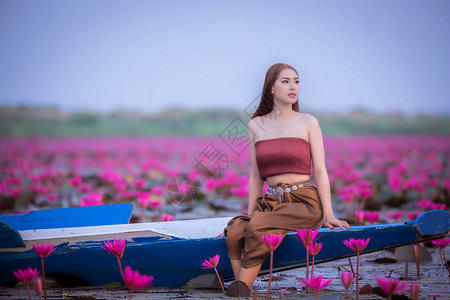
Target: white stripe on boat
[{"x": 188, "y": 229}]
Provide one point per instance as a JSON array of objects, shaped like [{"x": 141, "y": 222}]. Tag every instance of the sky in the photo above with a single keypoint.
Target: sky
[{"x": 381, "y": 56}]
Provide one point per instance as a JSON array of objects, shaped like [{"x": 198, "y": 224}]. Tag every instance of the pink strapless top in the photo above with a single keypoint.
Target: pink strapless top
[{"x": 283, "y": 155}]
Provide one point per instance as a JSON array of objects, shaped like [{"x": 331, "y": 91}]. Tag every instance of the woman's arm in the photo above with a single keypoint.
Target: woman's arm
[
  {"x": 255, "y": 184},
  {"x": 320, "y": 174}
]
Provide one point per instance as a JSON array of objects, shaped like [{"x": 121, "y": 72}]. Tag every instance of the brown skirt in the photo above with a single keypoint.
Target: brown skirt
[{"x": 273, "y": 215}]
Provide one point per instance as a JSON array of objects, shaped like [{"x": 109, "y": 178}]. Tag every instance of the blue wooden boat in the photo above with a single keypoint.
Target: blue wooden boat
[{"x": 170, "y": 251}]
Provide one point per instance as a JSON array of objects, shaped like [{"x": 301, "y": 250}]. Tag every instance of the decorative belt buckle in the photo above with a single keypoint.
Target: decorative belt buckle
[{"x": 279, "y": 191}]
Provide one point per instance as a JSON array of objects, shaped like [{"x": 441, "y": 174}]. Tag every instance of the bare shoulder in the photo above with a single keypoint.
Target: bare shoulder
[
  {"x": 309, "y": 120},
  {"x": 252, "y": 122},
  {"x": 252, "y": 126}
]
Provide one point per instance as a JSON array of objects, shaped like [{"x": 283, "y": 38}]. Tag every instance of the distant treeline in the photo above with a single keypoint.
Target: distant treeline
[{"x": 26, "y": 121}]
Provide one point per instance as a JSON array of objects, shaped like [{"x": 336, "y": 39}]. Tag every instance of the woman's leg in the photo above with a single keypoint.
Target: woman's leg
[
  {"x": 304, "y": 212},
  {"x": 235, "y": 232},
  {"x": 236, "y": 266},
  {"x": 248, "y": 275}
]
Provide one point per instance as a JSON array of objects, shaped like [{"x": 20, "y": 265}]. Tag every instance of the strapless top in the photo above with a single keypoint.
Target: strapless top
[{"x": 283, "y": 155}]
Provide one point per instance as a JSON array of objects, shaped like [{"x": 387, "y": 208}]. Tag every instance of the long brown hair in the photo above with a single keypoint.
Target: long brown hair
[{"x": 266, "y": 103}]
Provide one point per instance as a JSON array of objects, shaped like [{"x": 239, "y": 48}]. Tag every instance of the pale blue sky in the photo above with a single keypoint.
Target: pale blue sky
[{"x": 383, "y": 55}]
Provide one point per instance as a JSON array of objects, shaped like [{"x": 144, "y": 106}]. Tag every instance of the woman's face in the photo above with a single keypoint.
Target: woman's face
[{"x": 286, "y": 87}]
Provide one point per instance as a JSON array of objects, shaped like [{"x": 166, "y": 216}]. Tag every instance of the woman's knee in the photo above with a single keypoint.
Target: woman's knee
[
  {"x": 234, "y": 234},
  {"x": 254, "y": 229}
]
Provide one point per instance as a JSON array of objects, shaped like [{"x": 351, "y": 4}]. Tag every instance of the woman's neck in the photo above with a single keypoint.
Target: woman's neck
[{"x": 283, "y": 111}]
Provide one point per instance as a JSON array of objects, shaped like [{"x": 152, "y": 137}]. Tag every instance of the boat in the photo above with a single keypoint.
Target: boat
[{"x": 173, "y": 251}]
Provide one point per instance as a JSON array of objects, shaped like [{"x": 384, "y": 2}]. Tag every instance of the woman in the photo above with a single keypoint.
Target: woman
[{"x": 284, "y": 142}]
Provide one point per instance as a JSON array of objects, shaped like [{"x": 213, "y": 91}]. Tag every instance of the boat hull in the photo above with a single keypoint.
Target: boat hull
[{"x": 174, "y": 261}]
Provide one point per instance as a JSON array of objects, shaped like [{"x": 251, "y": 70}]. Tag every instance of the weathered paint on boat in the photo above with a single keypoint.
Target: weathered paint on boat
[{"x": 173, "y": 261}]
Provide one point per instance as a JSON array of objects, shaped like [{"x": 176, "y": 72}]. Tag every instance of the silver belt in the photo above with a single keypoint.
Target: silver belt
[{"x": 278, "y": 191}]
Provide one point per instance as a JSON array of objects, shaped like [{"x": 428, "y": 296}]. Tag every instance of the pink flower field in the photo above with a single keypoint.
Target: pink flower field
[{"x": 171, "y": 174}]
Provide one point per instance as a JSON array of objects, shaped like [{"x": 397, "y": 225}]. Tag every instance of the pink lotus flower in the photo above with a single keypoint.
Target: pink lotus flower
[
  {"x": 424, "y": 204},
  {"x": 415, "y": 183},
  {"x": 395, "y": 215},
  {"x": 394, "y": 181},
  {"x": 93, "y": 199},
  {"x": 12, "y": 180},
  {"x": 414, "y": 215},
  {"x": 183, "y": 188},
  {"x": 307, "y": 236},
  {"x": 359, "y": 214},
  {"x": 155, "y": 204},
  {"x": 136, "y": 281},
  {"x": 119, "y": 185},
  {"x": 117, "y": 247},
  {"x": 38, "y": 189},
  {"x": 357, "y": 245},
  {"x": 44, "y": 250},
  {"x": 75, "y": 181},
  {"x": 210, "y": 184},
  {"x": 157, "y": 190},
  {"x": 415, "y": 289},
  {"x": 26, "y": 276},
  {"x": 272, "y": 241},
  {"x": 314, "y": 249},
  {"x": 37, "y": 284},
  {"x": 433, "y": 182},
  {"x": 84, "y": 188},
  {"x": 372, "y": 217},
  {"x": 348, "y": 193},
  {"x": 446, "y": 183},
  {"x": 239, "y": 191},
  {"x": 442, "y": 243},
  {"x": 346, "y": 279},
  {"x": 364, "y": 189},
  {"x": 139, "y": 183},
  {"x": 212, "y": 263},
  {"x": 15, "y": 192},
  {"x": 127, "y": 194},
  {"x": 353, "y": 176},
  {"x": 143, "y": 199},
  {"x": 316, "y": 283},
  {"x": 391, "y": 286},
  {"x": 52, "y": 197},
  {"x": 437, "y": 206},
  {"x": 166, "y": 217},
  {"x": 242, "y": 193}
]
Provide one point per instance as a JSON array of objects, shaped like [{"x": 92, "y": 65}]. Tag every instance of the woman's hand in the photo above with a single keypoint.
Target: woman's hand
[{"x": 331, "y": 220}]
